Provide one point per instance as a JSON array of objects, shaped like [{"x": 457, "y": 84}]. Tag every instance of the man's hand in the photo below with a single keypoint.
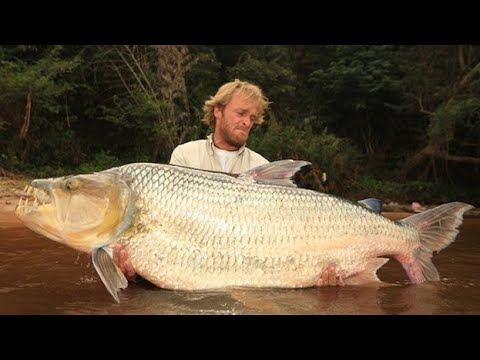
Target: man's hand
[
  {"x": 330, "y": 277},
  {"x": 121, "y": 259}
]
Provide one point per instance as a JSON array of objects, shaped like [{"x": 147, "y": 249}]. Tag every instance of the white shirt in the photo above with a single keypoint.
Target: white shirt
[
  {"x": 226, "y": 158},
  {"x": 201, "y": 154}
]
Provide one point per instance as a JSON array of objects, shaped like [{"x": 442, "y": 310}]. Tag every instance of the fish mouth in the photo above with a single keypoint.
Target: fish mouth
[{"x": 32, "y": 199}]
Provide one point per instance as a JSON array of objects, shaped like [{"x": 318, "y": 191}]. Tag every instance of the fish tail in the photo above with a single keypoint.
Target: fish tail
[{"x": 437, "y": 228}]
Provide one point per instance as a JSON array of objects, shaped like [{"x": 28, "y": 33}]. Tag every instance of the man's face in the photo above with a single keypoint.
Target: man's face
[{"x": 234, "y": 122}]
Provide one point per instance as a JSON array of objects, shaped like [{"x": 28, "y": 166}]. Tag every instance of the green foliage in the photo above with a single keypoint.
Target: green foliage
[
  {"x": 47, "y": 76},
  {"x": 271, "y": 68},
  {"x": 457, "y": 117},
  {"x": 125, "y": 113},
  {"x": 362, "y": 73},
  {"x": 102, "y": 160},
  {"x": 329, "y": 153},
  {"x": 203, "y": 80},
  {"x": 46, "y": 79},
  {"x": 278, "y": 78},
  {"x": 357, "y": 112},
  {"x": 379, "y": 188},
  {"x": 359, "y": 93},
  {"x": 424, "y": 191}
]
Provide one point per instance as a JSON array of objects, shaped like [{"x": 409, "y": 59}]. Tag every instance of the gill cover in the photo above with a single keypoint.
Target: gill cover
[{"x": 84, "y": 211}]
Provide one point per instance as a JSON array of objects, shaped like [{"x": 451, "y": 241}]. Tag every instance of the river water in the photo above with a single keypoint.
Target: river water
[{"x": 39, "y": 276}]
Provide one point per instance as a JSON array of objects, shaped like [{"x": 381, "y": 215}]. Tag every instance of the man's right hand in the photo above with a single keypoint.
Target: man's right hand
[
  {"x": 122, "y": 260},
  {"x": 330, "y": 277}
]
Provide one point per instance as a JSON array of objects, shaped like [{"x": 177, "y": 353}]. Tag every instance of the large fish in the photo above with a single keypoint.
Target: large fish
[{"x": 191, "y": 229}]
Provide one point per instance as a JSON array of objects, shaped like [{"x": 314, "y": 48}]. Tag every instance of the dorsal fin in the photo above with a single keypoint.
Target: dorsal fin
[
  {"x": 373, "y": 204},
  {"x": 275, "y": 173}
]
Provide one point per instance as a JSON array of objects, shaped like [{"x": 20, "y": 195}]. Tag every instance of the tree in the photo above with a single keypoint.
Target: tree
[
  {"x": 35, "y": 97},
  {"x": 450, "y": 99}
]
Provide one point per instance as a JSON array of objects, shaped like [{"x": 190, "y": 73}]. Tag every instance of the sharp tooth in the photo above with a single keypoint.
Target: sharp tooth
[
  {"x": 35, "y": 202},
  {"x": 26, "y": 187},
  {"x": 30, "y": 189},
  {"x": 26, "y": 202}
]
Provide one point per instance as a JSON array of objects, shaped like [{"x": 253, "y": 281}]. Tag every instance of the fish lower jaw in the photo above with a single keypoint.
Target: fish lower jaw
[
  {"x": 32, "y": 201},
  {"x": 24, "y": 208}
]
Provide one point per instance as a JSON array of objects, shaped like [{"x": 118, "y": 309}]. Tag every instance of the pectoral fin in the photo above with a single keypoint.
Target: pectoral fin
[{"x": 111, "y": 275}]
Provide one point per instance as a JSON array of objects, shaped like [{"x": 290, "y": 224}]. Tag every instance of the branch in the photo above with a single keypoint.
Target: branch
[
  {"x": 141, "y": 71},
  {"x": 456, "y": 158},
  {"x": 422, "y": 109},
  {"x": 469, "y": 76},
  {"x": 133, "y": 72},
  {"x": 123, "y": 81}
]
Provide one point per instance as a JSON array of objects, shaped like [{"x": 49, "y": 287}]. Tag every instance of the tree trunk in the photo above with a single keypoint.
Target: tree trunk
[
  {"x": 431, "y": 152},
  {"x": 26, "y": 118}
]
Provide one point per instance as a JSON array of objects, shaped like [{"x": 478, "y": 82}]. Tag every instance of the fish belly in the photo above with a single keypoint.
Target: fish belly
[{"x": 212, "y": 231}]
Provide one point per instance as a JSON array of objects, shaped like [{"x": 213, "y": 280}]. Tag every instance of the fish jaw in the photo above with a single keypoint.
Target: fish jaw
[
  {"x": 42, "y": 221},
  {"x": 83, "y": 212}
]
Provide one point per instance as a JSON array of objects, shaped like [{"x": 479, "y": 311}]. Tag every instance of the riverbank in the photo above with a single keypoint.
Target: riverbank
[{"x": 10, "y": 191}]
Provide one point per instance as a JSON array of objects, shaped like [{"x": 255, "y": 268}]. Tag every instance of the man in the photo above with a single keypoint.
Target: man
[{"x": 230, "y": 114}]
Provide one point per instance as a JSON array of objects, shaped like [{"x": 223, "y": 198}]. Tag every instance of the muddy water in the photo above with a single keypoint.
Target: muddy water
[{"x": 39, "y": 276}]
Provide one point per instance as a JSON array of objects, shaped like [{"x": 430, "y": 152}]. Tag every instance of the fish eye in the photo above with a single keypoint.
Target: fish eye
[{"x": 72, "y": 184}]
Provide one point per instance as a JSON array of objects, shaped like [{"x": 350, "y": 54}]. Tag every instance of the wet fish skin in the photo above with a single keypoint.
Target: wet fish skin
[
  {"x": 191, "y": 229},
  {"x": 206, "y": 230}
]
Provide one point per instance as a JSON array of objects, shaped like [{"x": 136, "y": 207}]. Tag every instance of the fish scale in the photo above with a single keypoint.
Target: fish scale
[{"x": 215, "y": 230}]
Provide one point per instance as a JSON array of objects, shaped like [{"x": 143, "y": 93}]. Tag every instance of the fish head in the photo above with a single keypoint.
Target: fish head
[{"x": 82, "y": 211}]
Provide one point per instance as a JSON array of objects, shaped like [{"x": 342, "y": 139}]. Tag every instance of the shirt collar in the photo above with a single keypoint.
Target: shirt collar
[{"x": 210, "y": 145}]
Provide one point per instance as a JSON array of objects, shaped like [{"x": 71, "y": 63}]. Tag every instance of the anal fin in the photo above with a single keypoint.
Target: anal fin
[
  {"x": 112, "y": 277},
  {"x": 369, "y": 274}
]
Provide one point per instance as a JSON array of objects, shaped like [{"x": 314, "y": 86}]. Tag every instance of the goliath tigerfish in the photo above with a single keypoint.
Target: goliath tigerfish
[{"x": 191, "y": 229}]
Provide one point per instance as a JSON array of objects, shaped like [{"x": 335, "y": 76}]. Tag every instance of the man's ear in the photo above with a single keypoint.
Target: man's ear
[{"x": 218, "y": 111}]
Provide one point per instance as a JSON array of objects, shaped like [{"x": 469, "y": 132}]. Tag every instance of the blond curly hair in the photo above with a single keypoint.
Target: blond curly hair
[{"x": 225, "y": 93}]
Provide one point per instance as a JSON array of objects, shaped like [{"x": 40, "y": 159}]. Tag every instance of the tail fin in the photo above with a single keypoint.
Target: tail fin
[{"x": 437, "y": 229}]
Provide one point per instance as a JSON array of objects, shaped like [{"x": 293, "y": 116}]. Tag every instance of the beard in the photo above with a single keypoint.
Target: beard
[{"x": 234, "y": 137}]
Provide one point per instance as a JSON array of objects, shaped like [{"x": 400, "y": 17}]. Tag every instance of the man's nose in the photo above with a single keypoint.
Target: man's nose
[{"x": 247, "y": 121}]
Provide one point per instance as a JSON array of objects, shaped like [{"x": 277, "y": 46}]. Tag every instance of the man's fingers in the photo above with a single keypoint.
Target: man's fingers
[
  {"x": 329, "y": 277},
  {"x": 325, "y": 277},
  {"x": 124, "y": 261},
  {"x": 121, "y": 259},
  {"x": 115, "y": 255},
  {"x": 130, "y": 270},
  {"x": 332, "y": 276}
]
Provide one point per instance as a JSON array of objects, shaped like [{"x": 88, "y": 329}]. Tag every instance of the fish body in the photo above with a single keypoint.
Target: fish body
[{"x": 191, "y": 229}]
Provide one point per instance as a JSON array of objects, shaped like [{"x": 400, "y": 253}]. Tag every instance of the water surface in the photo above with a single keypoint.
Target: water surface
[{"x": 39, "y": 276}]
